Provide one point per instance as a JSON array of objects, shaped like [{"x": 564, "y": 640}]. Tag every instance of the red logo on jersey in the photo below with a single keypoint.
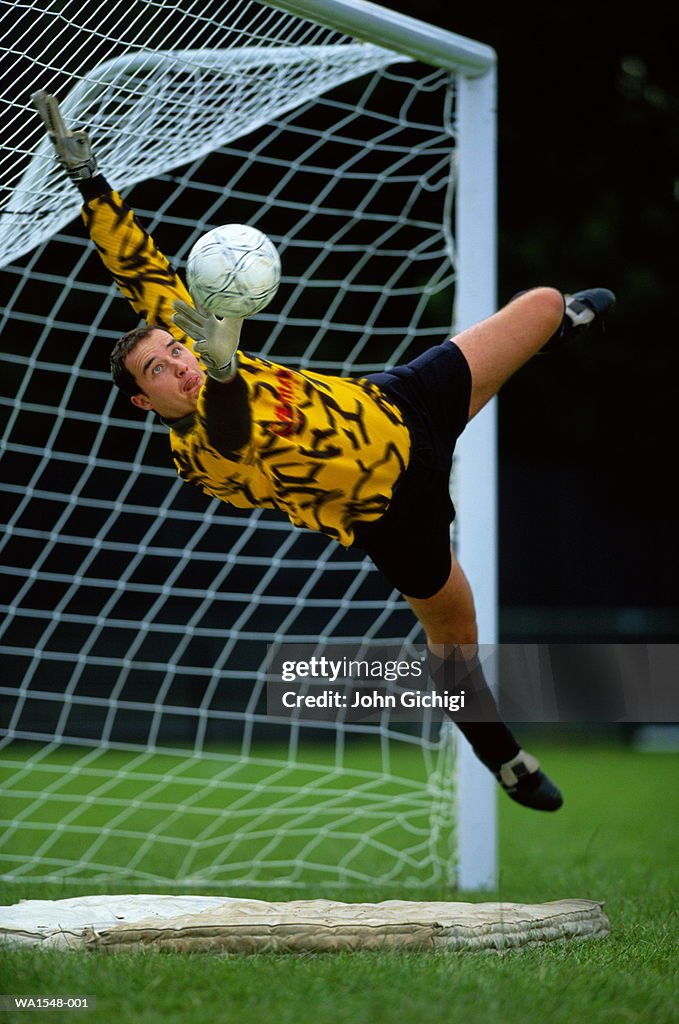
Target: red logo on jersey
[{"x": 288, "y": 418}]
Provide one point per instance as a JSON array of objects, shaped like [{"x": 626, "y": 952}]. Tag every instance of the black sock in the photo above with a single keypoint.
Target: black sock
[{"x": 479, "y": 722}]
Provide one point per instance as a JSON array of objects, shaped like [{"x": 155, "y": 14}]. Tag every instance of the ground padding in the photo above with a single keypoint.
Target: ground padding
[{"x": 233, "y": 925}]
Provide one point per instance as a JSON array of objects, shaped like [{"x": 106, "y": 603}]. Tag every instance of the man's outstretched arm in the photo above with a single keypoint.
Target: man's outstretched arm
[
  {"x": 149, "y": 282},
  {"x": 144, "y": 275}
]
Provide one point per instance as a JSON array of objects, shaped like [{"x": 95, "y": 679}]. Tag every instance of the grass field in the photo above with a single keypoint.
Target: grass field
[{"x": 616, "y": 840}]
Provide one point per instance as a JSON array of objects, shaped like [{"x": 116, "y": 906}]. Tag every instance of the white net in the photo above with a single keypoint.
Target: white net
[{"x": 138, "y": 613}]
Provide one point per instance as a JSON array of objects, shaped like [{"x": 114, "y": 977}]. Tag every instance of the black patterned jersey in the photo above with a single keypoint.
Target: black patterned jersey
[{"x": 328, "y": 451}]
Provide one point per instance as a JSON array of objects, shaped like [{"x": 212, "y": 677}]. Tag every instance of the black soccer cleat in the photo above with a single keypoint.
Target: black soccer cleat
[
  {"x": 582, "y": 310},
  {"x": 524, "y": 782}
]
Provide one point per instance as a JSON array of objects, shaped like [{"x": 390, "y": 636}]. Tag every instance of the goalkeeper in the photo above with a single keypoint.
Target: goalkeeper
[{"x": 365, "y": 461}]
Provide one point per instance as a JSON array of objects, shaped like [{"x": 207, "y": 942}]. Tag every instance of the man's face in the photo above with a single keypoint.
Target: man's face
[{"x": 168, "y": 374}]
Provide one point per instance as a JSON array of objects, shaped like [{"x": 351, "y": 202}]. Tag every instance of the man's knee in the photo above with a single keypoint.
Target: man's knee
[
  {"x": 546, "y": 303},
  {"x": 449, "y": 617}
]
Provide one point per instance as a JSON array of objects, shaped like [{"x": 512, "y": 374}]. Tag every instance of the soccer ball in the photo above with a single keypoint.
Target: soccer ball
[{"x": 233, "y": 271}]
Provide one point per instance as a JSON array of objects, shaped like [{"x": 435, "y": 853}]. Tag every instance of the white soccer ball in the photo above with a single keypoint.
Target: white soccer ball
[{"x": 233, "y": 271}]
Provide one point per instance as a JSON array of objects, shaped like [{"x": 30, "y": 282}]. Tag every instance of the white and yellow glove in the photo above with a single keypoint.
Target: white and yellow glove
[{"x": 216, "y": 340}]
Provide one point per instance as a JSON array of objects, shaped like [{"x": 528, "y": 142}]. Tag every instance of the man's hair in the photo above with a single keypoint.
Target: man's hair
[{"x": 122, "y": 377}]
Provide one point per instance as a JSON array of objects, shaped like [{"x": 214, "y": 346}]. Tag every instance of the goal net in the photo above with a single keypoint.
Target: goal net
[{"x": 138, "y": 613}]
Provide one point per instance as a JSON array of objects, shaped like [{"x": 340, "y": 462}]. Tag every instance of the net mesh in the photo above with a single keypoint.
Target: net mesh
[{"x": 138, "y": 612}]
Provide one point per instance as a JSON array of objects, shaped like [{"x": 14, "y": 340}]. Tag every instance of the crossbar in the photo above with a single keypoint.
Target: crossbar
[{"x": 400, "y": 32}]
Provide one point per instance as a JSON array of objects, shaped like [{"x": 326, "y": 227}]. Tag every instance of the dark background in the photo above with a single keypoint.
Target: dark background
[{"x": 587, "y": 195}]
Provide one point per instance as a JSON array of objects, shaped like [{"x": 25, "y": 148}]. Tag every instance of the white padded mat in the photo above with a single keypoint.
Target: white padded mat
[{"x": 234, "y": 925}]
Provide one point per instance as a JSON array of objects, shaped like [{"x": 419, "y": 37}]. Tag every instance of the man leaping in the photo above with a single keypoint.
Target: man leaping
[{"x": 366, "y": 461}]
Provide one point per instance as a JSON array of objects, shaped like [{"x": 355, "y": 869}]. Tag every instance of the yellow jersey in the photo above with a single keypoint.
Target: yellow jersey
[{"x": 326, "y": 450}]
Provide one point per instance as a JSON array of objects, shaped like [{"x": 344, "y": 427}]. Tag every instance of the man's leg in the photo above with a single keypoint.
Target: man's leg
[
  {"x": 493, "y": 349},
  {"x": 497, "y": 347},
  {"x": 449, "y": 622}
]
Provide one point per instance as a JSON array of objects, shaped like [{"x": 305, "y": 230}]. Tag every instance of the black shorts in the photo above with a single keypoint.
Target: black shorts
[{"x": 410, "y": 543}]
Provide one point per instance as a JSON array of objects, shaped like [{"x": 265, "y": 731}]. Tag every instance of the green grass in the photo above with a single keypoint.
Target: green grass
[
  {"x": 216, "y": 819},
  {"x": 615, "y": 840}
]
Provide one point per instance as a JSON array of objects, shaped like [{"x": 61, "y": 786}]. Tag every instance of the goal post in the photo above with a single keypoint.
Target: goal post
[
  {"x": 134, "y": 741},
  {"x": 476, "y": 479},
  {"x": 399, "y": 32}
]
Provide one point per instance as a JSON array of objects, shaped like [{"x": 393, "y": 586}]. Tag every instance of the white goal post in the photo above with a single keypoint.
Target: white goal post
[{"x": 279, "y": 114}]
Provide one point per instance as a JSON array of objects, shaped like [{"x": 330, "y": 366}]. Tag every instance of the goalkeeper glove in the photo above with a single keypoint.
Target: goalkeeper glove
[
  {"x": 216, "y": 340},
  {"x": 73, "y": 149}
]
